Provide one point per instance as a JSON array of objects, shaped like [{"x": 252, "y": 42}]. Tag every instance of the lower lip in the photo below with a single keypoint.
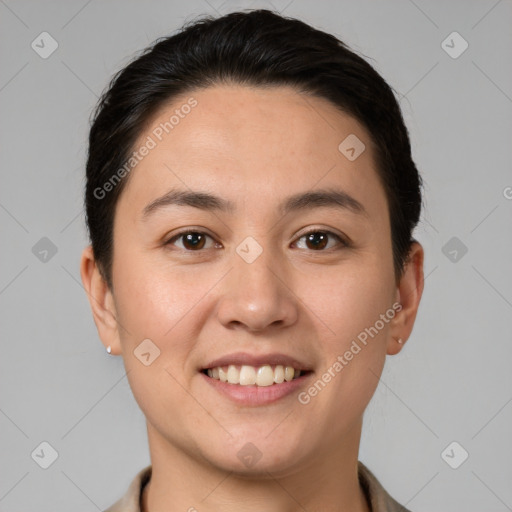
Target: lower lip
[{"x": 256, "y": 395}]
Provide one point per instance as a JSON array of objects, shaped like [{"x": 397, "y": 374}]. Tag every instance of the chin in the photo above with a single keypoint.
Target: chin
[{"x": 252, "y": 454}]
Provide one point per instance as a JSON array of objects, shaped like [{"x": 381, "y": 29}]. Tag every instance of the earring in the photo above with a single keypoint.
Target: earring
[
  {"x": 400, "y": 341},
  {"x": 109, "y": 349}
]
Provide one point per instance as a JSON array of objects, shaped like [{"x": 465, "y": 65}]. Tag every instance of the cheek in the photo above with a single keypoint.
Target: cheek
[
  {"x": 153, "y": 298},
  {"x": 162, "y": 306},
  {"x": 348, "y": 302},
  {"x": 353, "y": 342},
  {"x": 350, "y": 298}
]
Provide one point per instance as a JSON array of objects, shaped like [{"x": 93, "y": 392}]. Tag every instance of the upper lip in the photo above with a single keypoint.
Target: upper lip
[{"x": 243, "y": 358}]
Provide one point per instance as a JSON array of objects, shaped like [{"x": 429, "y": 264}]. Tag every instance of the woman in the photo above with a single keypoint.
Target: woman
[{"x": 250, "y": 200}]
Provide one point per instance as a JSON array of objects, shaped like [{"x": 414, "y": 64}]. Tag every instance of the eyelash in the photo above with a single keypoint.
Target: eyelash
[{"x": 343, "y": 243}]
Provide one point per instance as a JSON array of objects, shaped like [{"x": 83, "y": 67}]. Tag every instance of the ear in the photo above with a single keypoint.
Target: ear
[
  {"x": 409, "y": 291},
  {"x": 101, "y": 300}
]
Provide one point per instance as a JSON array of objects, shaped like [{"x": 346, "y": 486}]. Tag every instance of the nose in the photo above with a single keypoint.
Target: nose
[{"x": 257, "y": 296}]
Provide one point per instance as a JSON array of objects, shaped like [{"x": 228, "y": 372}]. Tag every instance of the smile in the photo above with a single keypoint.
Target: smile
[{"x": 245, "y": 375}]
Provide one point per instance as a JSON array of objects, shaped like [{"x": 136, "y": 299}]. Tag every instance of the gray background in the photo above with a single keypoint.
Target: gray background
[{"x": 453, "y": 380}]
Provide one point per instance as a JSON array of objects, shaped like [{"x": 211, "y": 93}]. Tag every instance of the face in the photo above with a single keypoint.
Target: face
[{"x": 288, "y": 263}]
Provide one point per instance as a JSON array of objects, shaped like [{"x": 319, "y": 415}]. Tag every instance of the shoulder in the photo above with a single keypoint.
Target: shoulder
[
  {"x": 377, "y": 496},
  {"x": 130, "y": 501}
]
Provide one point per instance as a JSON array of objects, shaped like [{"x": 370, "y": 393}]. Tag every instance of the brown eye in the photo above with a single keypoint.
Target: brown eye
[
  {"x": 319, "y": 240},
  {"x": 190, "y": 240},
  {"x": 193, "y": 241}
]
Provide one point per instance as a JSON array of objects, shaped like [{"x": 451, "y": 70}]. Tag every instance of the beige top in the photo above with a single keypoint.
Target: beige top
[{"x": 378, "y": 498}]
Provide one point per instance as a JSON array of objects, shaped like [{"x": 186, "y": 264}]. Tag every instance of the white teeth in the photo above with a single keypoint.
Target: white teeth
[
  {"x": 245, "y": 375},
  {"x": 233, "y": 374},
  {"x": 265, "y": 376},
  {"x": 279, "y": 374}
]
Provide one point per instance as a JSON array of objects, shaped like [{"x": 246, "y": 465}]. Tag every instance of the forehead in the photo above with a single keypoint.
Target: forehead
[{"x": 241, "y": 141}]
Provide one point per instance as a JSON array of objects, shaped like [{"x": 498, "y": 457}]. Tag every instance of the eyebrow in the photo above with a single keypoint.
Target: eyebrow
[{"x": 326, "y": 198}]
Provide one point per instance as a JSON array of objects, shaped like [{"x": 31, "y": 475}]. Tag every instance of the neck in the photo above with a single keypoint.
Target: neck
[{"x": 327, "y": 482}]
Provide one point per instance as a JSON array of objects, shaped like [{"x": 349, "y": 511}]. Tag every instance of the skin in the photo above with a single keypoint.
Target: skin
[{"x": 254, "y": 147}]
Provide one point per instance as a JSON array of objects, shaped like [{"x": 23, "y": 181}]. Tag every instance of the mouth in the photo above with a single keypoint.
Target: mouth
[
  {"x": 254, "y": 380},
  {"x": 263, "y": 375}
]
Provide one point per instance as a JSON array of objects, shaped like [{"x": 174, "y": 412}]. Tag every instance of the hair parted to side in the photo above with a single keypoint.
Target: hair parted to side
[{"x": 255, "y": 48}]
